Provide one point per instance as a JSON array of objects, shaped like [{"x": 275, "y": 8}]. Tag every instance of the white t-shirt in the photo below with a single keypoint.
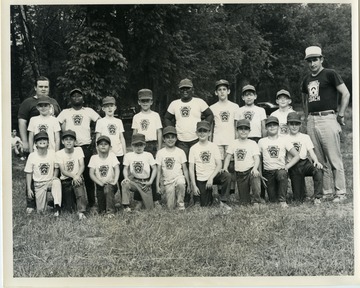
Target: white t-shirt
[
  {"x": 243, "y": 152},
  {"x": 15, "y": 140},
  {"x": 171, "y": 162},
  {"x": 255, "y": 115},
  {"x": 111, "y": 127},
  {"x": 47, "y": 124},
  {"x": 274, "y": 152},
  {"x": 79, "y": 121},
  {"x": 139, "y": 164},
  {"x": 42, "y": 166},
  {"x": 147, "y": 124},
  {"x": 302, "y": 143},
  {"x": 104, "y": 167},
  {"x": 204, "y": 157},
  {"x": 187, "y": 114},
  {"x": 282, "y": 116},
  {"x": 70, "y": 161},
  {"x": 224, "y": 118}
]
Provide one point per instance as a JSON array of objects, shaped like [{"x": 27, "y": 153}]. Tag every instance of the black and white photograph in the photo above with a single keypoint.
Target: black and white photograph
[{"x": 180, "y": 144}]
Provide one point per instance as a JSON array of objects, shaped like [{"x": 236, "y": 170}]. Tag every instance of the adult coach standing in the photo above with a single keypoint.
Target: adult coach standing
[
  {"x": 186, "y": 112},
  {"x": 320, "y": 90}
]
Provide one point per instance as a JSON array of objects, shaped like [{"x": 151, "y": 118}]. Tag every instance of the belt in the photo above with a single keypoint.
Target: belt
[{"x": 322, "y": 113}]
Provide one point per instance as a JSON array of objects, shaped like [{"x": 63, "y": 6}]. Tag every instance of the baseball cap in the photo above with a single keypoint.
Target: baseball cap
[
  {"x": 145, "y": 94},
  {"x": 108, "y": 100},
  {"x": 76, "y": 90},
  {"x": 283, "y": 92},
  {"x": 138, "y": 138},
  {"x": 68, "y": 133},
  {"x": 185, "y": 83},
  {"x": 272, "y": 119},
  {"x": 312, "y": 51},
  {"x": 203, "y": 124},
  {"x": 169, "y": 130},
  {"x": 103, "y": 138},
  {"x": 43, "y": 100},
  {"x": 41, "y": 135},
  {"x": 293, "y": 117},
  {"x": 222, "y": 82},
  {"x": 243, "y": 122},
  {"x": 248, "y": 87}
]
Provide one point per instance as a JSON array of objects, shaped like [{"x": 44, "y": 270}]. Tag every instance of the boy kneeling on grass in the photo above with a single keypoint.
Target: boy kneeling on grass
[
  {"x": 71, "y": 163},
  {"x": 205, "y": 162},
  {"x": 40, "y": 167},
  {"x": 104, "y": 171},
  {"x": 172, "y": 171}
]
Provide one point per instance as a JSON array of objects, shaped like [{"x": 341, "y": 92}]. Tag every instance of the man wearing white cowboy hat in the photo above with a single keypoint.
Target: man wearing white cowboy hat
[{"x": 320, "y": 91}]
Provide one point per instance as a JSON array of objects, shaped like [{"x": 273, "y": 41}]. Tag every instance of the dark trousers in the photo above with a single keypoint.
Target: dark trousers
[
  {"x": 206, "y": 197},
  {"x": 106, "y": 198},
  {"x": 245, "y": 183},
  {"x": 121, "y": 166},
  {"x": 151, "y": 147},
  {"x": 30, "y": 201},
  {"x": 73, "y": 198},
  {"x": 185, "y": 146},
  {"x": 89, "y": 184},
  {"x": 276, "y": 184},
  {"x": 297, "y": 175}
]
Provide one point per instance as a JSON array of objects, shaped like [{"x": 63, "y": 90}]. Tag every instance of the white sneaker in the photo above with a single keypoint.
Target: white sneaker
[
  {"x": 127, "y": 209},
  {"x": 56, "y": 214},
  {"x": 81, "y": 216},
  {"x": 22, "y": 158},
  {"x": 317, "y": 201},
  {"x": 181, "y": 207},
  {"x": 29, "y": 210},
  {"x": 339, "y": 198},
  {"x": 110, "y": 215},
  {"x": 225, "y": 206},
  {"x": 283, "y": 205}
]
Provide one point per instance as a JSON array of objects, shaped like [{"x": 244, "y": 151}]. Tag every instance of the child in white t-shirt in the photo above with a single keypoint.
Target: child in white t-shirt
[
  {"x": 283, "y": 99},
  {"x": 17, "y": 145}
]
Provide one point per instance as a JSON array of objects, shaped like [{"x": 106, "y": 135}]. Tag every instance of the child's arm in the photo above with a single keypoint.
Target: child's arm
[
  {"x": 123, "y": 142},
  {"x": 57, "y": 141},
  {"x": 158, "y": 190},
  {"x": 313, "y": 157},
  {"x": 195, "y": 189},
  {"x": 135, "y": 131},
  {"x": 209, "y": 183},
  {"x": 98, "y": 134},
  {"x": 94, "y": 178},
  {"x": 63, "y": 126},
  {"x": 30, "y": 192},
  {"x": 294, "y": 160},
  {"x": 226, "y": 162},
  {"x": 153, "y": 175},
  {"x": 31, "y": 141},
  {"x": 126, "y": 172},
  {"x": 159, "y": 138},
  {"x": 56, "y": 173},
  {"x": 116, "y": 174},
  {"x": 263, "y": 128},
  {"x": 187, "y": 178},
  {"x": 255, "y": 170}
]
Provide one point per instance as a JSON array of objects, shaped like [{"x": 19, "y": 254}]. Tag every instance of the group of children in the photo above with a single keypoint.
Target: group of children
[{"x": 258, "y": 152}]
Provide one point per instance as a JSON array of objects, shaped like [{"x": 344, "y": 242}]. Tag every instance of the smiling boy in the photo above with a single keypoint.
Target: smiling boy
[{"x": 283, "y": 99}]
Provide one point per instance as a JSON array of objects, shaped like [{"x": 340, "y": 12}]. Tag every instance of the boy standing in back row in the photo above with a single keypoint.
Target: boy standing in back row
[{"x": 283, "y": 99}]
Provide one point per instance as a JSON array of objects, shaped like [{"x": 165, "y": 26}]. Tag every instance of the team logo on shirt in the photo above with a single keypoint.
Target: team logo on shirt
[
  {"x": 273, "y": 151},
  {"x": 104, "y": 169},
  {"x": 169, "y": 162},
  {"x": 44, "y": 168},
  {"x": 138, "y": 167},
  {"x": 313, "y": 91},
  {"x": 144, "y": 124},
  {"x": 112, "y": 129},
  {"x": 224, "y": 116},
  {"x": 240, "y": 154},
  {"x": 77, "y": 119},
  {"x": 185, "y": 111},
  {"x": 70, "y": 165},
  {"x": 283, "y": 129},
  {"x": 205, "y": 156},
  {"x": 248, "y": 115},
  {"x": 43, "y": 128},
  {"x": 297, "y": 146}
]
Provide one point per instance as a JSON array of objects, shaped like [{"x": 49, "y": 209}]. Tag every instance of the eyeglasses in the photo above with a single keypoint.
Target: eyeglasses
[{"x": 145, "y": 100}]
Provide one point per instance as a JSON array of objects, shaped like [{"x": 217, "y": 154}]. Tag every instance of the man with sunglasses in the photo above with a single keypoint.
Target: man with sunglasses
[{"x": 320, "y": 91}]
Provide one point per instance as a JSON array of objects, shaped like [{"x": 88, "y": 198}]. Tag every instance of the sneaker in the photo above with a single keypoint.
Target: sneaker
[
  {"x": 283, "y": 205},
  {"x": 29, "y": 210},
  {"x": 225, "y": 206},
  {"x": 82, "y": 216},
  {"x": 127, "y": 209},
  {"x": 317, "y": 201},
  {"x": 181, "y": 207},
  {"x": 93, "y": 211},
  {"x": 56, "y": 214},
  {"x": 110, "y": 215},
  {"x": 157, "y": 205},
  {"x": 339, "y": 198},
  {"x": 22, "y": 158}
]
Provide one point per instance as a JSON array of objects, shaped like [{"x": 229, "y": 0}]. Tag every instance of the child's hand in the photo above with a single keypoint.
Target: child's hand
[
  {"x": 147, "y": 183},
  {"x": 188, "y": 189},
  {"x": 77, "y": 180},
  {"x": 209, "y": 183},
  {"x": 30, "y": 193},
  {"x": 255, "y": 172},
  {"x": 263, "y": 180},
  {"x": 196, "y": 191},
  {"x": 158, "y": 189},
  {"x": 318, "y": 165},
  {"x": 224, "y": 170}
]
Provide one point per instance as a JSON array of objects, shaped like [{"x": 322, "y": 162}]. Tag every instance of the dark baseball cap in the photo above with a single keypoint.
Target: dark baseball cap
[
  {"x": 41, "y": 135},
  {"x": 243, "y": 123},
  {"x": 108, "y": 100},
  {"x": 203, "y": 124},
  {"x": 293, "y": 117},
  {"x": 272, "y": 119},
  {"x": 70, "y": 133},
  {"x": 43, "y": 100},
  {"x": 248, "y": 88},
  {"x": 283, "y": 92},
  {"x": 185, "y": 83},
  {"x": 145, "y": 94},
  {"x": 138, "y": 138},
  {"x": 169, "y": 130},
  {"x": 76, "y": 90},
  {"x": 222, "y": 82},
  {"x": 103, "y": 138}
]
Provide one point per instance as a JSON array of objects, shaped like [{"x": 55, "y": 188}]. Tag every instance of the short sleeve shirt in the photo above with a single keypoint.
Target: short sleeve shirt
[
  {"x": 302, "y": 143},
  {"x": 171, "y": 162},
  {"x": 147, "y": 124},
  {"x": 244, "y": 152},
  {"x": 15, "y": 140},
  {"x": 274, "y": 152},
  {"x": 187, "y": 114},
  {"x": 111, "y": 127},
  {"x": 28, "y": 109},
  {"x": 104, "y": 167},
  {"x": 255, "y": 115},
  {"x": 48, "y": 124},
  {"x": 42, "y": 166},
  {"x": 70, "y": 161},
  {"x": 139, "y": 164},
  {"x": 282, "y": 116},
  {"x": 79, "y": 121},
  {"x": 204, "y": 157},
  {"x": 224, "y": 122}
]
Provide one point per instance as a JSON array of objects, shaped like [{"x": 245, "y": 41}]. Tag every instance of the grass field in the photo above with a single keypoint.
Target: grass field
[{"x": 303, "y": 240}]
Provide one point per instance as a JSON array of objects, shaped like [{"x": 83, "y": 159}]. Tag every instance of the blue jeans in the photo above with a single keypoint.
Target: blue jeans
[{"x": 324, "y": 132}]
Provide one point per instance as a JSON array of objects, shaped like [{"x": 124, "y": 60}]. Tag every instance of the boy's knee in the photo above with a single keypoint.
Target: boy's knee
[{"x": 282, "y": 174}]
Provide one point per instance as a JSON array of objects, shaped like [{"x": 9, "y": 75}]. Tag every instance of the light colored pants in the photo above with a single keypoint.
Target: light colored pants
[
  {"x": 174, "y": 192},
  {"x": 324, "y": 132},
  {"x": 41, "y": 188}
]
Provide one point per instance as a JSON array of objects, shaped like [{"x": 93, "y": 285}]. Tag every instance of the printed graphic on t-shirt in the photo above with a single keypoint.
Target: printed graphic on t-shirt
[
  {"x": 240, "y": 154},
  {"x": 273, "y": 151},
  {"x": 77, "y": 119},
  {"x": 205, "y": 156},
  {"x": 169, "y": 163},
  {"x": 70, "y": 165},
  {"x": 185, "y": 111},
  {"x": 44, "y": 168},
  {"x": 138, "y": 167},
  {"x": 224, "y": 116},
  {"x": 313, "y": 91},
  {"x": 283, "y": 129},
  {"x": 144, "y": 124},
  {"x": 104, "y": 169},
  {"x": 111, "y": 129},
  {"x": 248, "y": 115},
  {"x": 43, "y": 128},
  {"x": 297, "y": 146}
]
